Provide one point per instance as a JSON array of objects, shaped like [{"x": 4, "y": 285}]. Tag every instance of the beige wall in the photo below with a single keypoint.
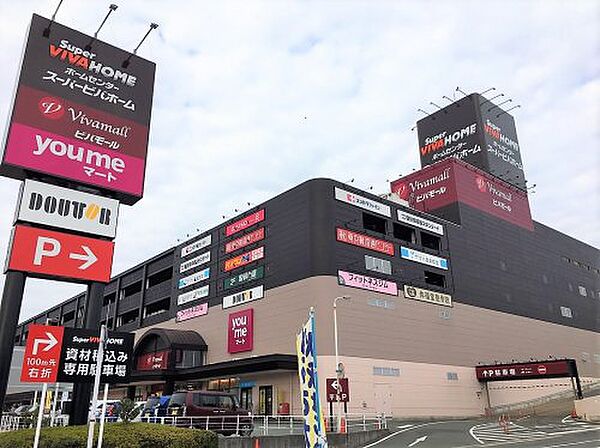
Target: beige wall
[{"x": 412, "y": 336}]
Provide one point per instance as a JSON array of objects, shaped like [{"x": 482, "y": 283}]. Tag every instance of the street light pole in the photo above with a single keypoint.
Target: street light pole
[{"x": 338, "y": 371}]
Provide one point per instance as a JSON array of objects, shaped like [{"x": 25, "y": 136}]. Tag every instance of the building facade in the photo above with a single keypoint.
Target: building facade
[{"x": 435, "y": 290}]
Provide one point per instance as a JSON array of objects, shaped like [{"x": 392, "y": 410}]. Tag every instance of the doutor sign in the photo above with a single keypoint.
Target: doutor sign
[{"x": 50, "y": 254}]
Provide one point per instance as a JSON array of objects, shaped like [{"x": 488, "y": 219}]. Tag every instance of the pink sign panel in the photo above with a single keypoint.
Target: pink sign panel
[
  {"x": 190, "y": 313},
  {"x": 240, "y": 333},
  {"x": 50, "y": 153},
  {"x": 245, "y": 240},
  {"x": 245, "y": 222},
  {"x": 370, "y": 283}
]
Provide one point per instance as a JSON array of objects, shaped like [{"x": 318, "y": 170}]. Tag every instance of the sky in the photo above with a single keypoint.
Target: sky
[{"x": 254, "y": 97}]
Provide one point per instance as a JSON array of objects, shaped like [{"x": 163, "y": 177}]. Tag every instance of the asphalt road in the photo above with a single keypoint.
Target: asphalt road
[{"x": 528, "y": 432}]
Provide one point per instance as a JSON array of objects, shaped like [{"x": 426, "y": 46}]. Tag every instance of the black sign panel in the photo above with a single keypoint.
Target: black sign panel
[
  {"x": 79, "y": 114},
  {"x": 454, "y": 131},
  {"x": 474, "y": 130},
  {"x": 502, "y": 146},
  {"x": 79, "y": 355}
]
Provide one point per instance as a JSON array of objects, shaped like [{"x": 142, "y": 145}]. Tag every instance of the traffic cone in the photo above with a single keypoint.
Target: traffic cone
[
  {"x": 574, "y": 413},
  {"x": 343, "y": 425},
  {"x": 256, "y": 443}
]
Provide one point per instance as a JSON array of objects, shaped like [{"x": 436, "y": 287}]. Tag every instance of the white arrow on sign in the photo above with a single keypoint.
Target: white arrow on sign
[
  {"x": 50, "y": 342},
  {"x": 88, "y": 257},
  {"x": 419, "y": 440},
  {"x": 336, "y": 385}
]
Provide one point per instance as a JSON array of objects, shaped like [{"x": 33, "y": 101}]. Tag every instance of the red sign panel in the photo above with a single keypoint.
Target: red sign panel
[
  {"x": 453, "y": 181},
  {"x": 338, "y": 389},
  {"x": 361, "y": 240},
  {"x": 245, "y": 222},
  {"x": 545, "y": 369},
  {"x": 42, "y": 354},
  {"x": 153, "y": 361},
  {"x": 56, "y": 254},
  {"x": 245, "y": 240},
  {"x": 241, "y": 331},
  {"x": 244, "y": 259}
]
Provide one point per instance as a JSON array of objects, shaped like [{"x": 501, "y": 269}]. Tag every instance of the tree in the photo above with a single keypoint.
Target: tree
[{"x": 128, "y": 410}]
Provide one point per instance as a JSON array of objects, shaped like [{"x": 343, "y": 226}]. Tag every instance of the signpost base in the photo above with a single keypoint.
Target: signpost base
[{"x": 10, "y": 308}]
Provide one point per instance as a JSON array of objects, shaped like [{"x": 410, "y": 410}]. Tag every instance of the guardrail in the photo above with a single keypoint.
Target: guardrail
[
  {"x": 523, "y": 405},
  {"x": 265, "y": 425}
]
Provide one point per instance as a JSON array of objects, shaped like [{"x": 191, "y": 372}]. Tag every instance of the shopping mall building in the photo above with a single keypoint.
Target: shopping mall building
[{"x": 445, "y": 272}]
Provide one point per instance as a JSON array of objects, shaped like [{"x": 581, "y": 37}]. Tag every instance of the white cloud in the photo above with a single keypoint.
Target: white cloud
[{"x": 254, "y": 97}]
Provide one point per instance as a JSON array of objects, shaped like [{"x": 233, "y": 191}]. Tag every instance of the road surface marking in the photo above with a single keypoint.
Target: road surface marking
[
  {"x": 419, "y": 440},
  {"x": 406, "y": 429}
]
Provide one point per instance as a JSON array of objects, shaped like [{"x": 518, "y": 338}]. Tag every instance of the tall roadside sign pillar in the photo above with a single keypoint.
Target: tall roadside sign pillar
[
  {"x": 14, "y": 285},
  {"x": 78, "y": 139}
]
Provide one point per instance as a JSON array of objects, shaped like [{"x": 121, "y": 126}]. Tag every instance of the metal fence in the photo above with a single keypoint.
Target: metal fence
[
  {"x": 257, "y": 425},
  {"x": 242, "y": 425},
  {"x": 10, "y": 422}
]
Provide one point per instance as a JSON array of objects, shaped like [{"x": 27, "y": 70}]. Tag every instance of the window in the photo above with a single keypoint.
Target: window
[
  {"x": 159, "y": 307},
  {"x": 452, "y": 376},
  {"x": 374, "y": 223},
  {"x": 68, "y": 316},
  {"x": 385, "y": 371},
  {"x": 565, "y": 311},
  {"x": 188, "y": 358},
  {"x": 127, "y": 318},
  {"x": 159, "y": 277},
  {"x": 404, "y": 233},
  {"x": 582, "y": 291},
  {"x": 430, "y": 241},
  {"x": 130, "y": 290},
  {"x": 111, "y": 298},
  {"x": 378, "y": 265},
  {"x": 432, "y": 278}
]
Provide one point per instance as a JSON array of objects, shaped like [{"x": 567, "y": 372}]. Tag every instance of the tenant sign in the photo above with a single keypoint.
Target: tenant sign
[
  {"x": 369, "y": 283},
  {"x": 239, "y": 298},
  {"x": 364, "y": 241},
  {"x": 49, "y": 205},
  {"x": 423, "y": 258},
  {"x": 240, "y": 333},
  {"x": 245, "y": 222},
  {"x": 362, "y": 202}
]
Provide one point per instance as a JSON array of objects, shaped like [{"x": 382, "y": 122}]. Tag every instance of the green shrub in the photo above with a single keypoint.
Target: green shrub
[{"x": 116, "y": 435}]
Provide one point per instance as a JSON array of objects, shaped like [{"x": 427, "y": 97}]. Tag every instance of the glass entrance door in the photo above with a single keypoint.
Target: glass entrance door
[
  {"x": 246, "y": 398},
  {"x": 265, "y": 400}
]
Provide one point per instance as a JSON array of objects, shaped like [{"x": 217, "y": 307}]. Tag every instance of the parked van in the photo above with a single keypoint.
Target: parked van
[{"x": 221, "y": 411}]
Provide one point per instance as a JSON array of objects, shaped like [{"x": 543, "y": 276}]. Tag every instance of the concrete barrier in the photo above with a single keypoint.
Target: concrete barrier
[
  {"x": 588, "y": 409},
  {"x": 351, "y": 440}
]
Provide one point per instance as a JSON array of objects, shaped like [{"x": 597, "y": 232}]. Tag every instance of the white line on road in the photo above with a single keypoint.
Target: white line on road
[
  {"x": 419, "y": 440},
  {"x": 404, "y": 430}
]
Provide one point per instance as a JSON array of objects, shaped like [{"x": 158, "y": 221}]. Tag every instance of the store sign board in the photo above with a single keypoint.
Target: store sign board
[
  {"x": 244, "y": 277},
  {"x": 362, "y": 202},
  {"x": 42, "y": 354},
  {"x": 422, "y": 223},
  {"x": 194, "y": 278},
  {"x": 46, "y": 253},
  {"x": 79, "y": 115},
  {"x": 364, "y": 241},
  {"x": 153, "y": 361},
  {"x": 194, "y": 262},
  {"x": 244, "y": 259},
  {"x": 242, "y": 297},
  {"x": 245, "y": 240},
  {"x": 369, "y": 283},
  {"x": 245, "y": 222},
  {"x": 196, "y": 294},
  {"x": 52, "y": 206},
  {"x": 240, "y": 334},
  {"x": 423, "y": 258},
  {"x": 79, "y": 353},
  {"x": 196, "y": 246},
  {"x": 426, "y": 295},
  {"x": 528, "y": 370},
  {"x": 191, "y": 313}
]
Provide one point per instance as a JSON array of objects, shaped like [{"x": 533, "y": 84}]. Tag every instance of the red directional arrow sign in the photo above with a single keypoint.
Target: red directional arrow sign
[
  {"x": 55, "y": 254},
  {"x": 42, "y": 354}
]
